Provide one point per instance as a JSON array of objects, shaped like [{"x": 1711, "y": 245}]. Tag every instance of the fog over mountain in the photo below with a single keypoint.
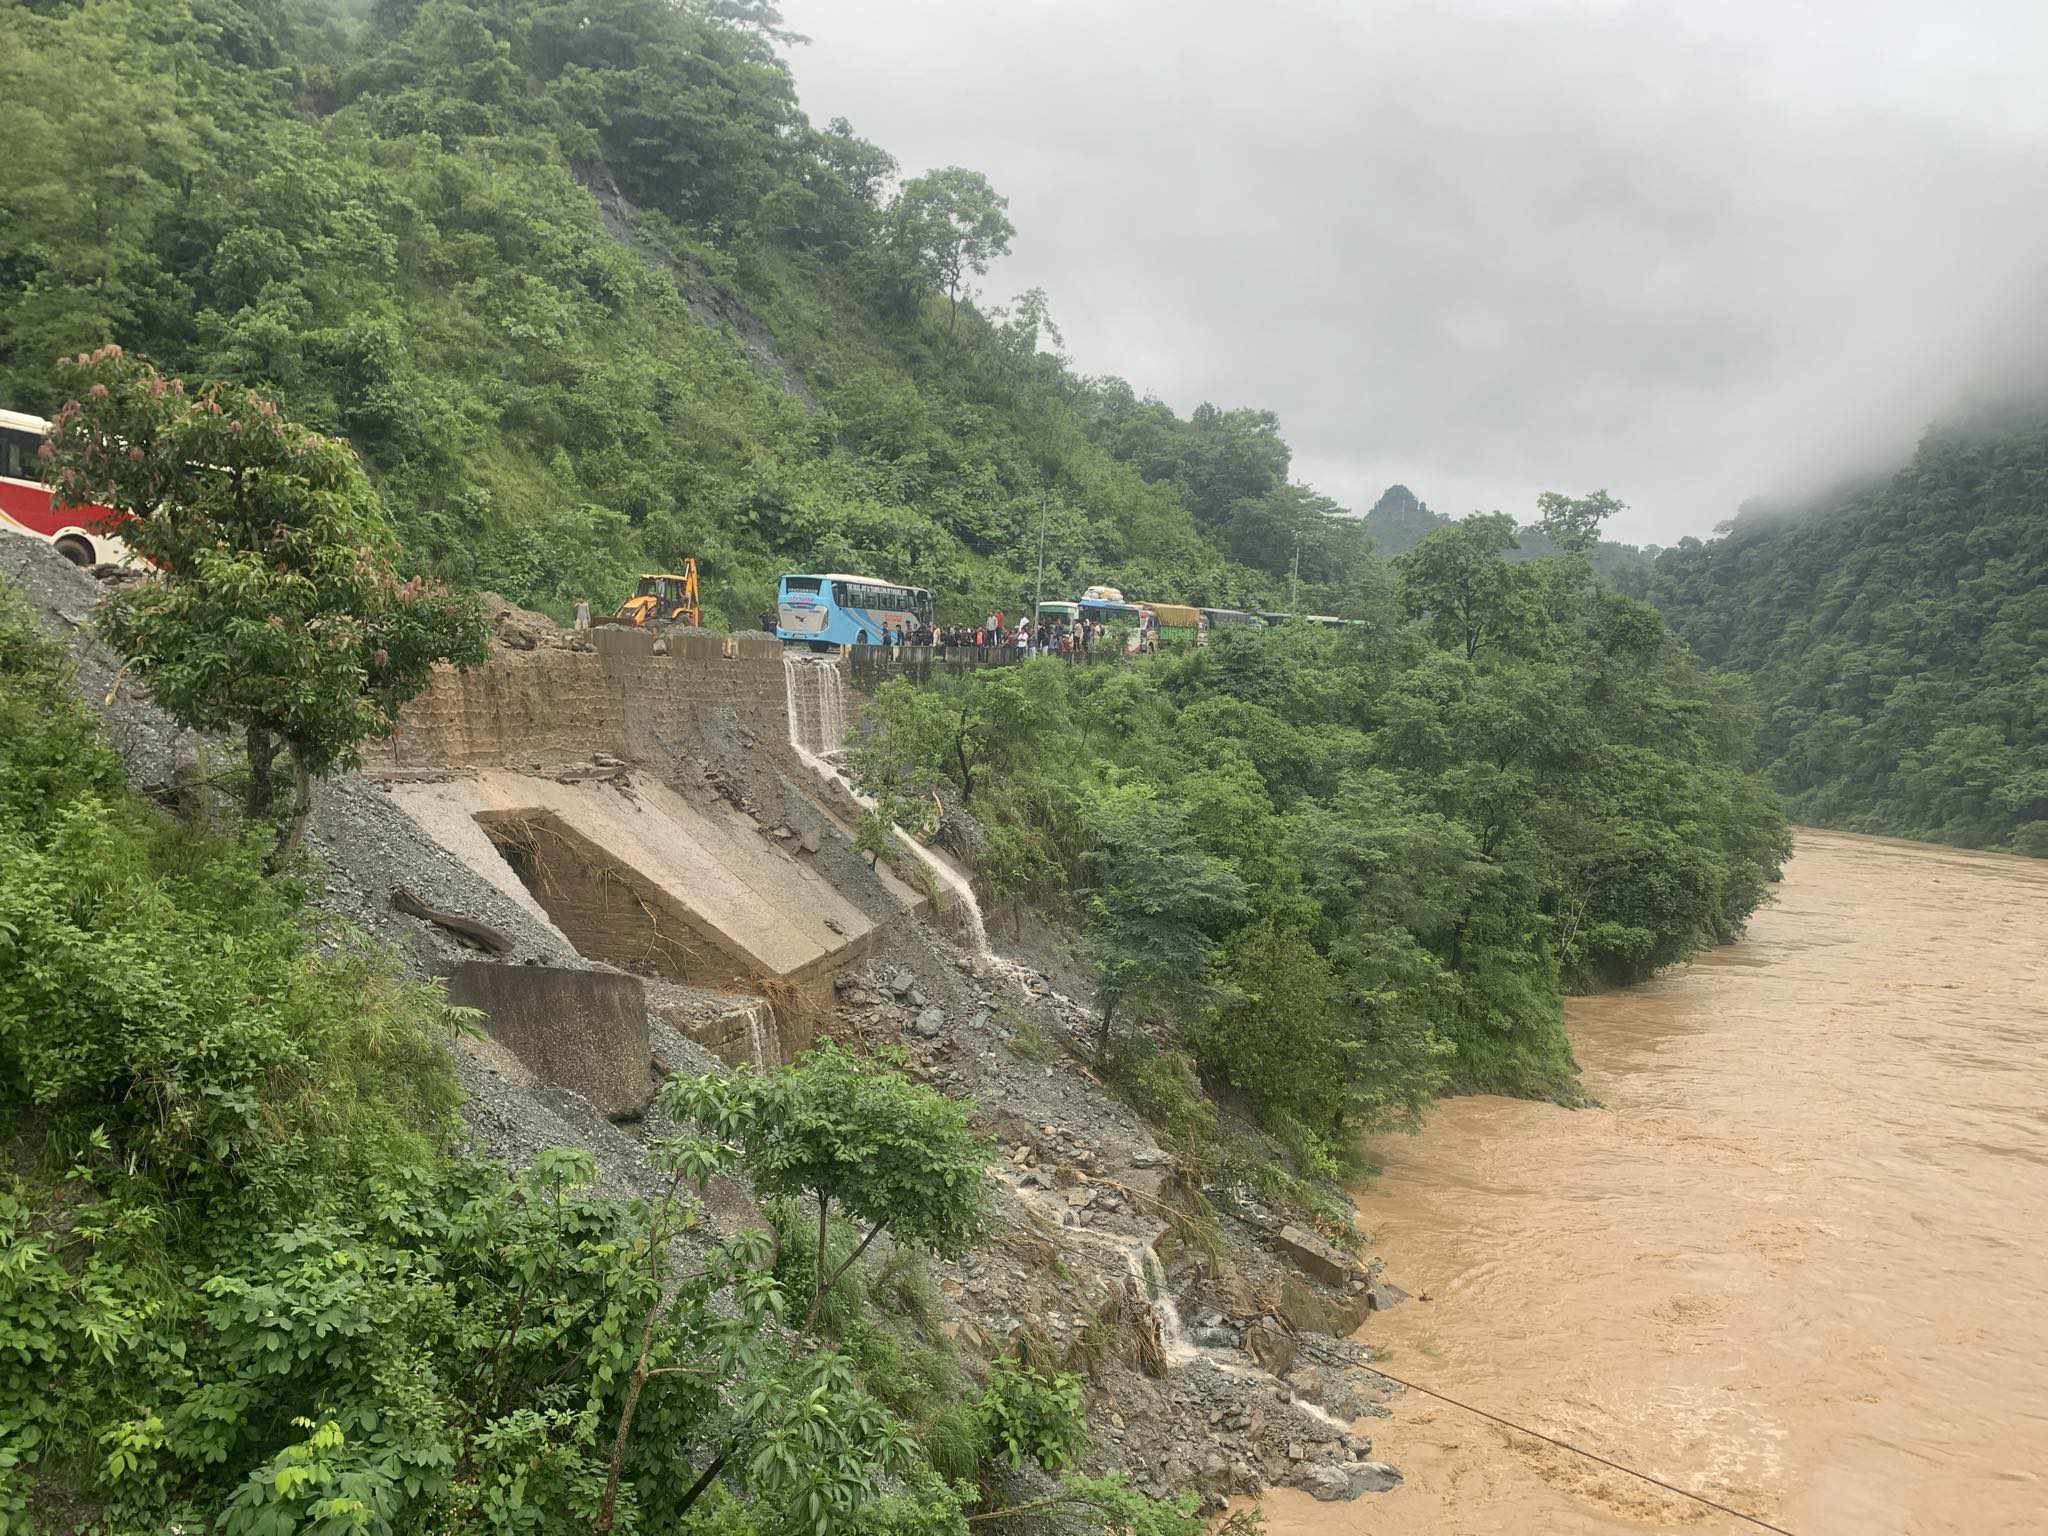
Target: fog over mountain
[{"x": 1691, "y": 253}]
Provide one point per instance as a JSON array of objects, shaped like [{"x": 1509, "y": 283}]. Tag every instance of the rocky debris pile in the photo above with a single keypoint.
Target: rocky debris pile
[
  {"x": 367, "y": 846},
  {"x": 523, "y": 629},
  {"x": 1229, "y": 1372},
  {"x": 154, "y": 748}
]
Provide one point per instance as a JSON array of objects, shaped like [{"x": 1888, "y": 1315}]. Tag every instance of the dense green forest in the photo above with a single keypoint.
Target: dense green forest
[
  {"x": 1353, "y": 869},
  {"x": 390, "y": 219},
  {"x": 1896, "y": 636}
]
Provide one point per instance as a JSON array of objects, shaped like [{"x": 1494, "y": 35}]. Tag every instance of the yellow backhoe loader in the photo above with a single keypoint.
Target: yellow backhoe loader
[{"x": 660, "y": 600}]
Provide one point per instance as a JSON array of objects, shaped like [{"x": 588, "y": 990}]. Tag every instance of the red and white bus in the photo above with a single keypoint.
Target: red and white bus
[{"x": 83, "y": 535}]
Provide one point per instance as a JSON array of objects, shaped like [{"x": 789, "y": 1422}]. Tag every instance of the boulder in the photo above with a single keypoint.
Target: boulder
[
  {"x": 1346, "y": 1480},
  {"x": 901, "y": 982},
  {"x": 1272, "y": 1348},
  {"x": 1307, "y": 1310},
  {"x": 1382, "y": 1294},
  {"x": 1315, "y": 1257},
  {"x": 1370, "y": 1477},
  {"x": 1323, "y": 1481},
  {"x": 931, "y": 1023}
]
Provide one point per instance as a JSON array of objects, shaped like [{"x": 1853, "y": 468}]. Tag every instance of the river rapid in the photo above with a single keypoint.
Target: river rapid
[{"x": 1798, "y": 1261}]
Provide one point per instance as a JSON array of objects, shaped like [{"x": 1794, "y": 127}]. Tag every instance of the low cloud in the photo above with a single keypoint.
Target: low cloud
[{"x": 1488, "y": 249}]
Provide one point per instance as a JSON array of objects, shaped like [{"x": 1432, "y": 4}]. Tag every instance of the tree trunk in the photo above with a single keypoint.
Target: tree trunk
[
  {"x": 704, "y": 1481},
  {"x": 608, "y": 1506},
  {"x": 293, "y": 832},
  {"x": 1102, "y": 1037},
  {"x": 263, "y": 749},
  {"x": 960, "y": 755}
]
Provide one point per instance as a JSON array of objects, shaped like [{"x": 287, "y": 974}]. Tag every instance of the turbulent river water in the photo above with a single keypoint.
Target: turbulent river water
[{"x": 1798, "y": 1261}]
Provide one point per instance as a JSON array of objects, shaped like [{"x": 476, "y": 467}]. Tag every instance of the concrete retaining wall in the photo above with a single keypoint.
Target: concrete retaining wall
[
  {"x": 584, "y": 1030},
  {"x": 698, "y": 697}
]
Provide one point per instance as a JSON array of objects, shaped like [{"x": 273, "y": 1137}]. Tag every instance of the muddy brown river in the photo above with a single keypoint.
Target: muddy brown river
[{"x": 1798, "y": 1261}]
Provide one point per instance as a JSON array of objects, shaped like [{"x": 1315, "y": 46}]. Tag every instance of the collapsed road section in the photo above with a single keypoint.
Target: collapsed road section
[{"x": 642, "y": 797}]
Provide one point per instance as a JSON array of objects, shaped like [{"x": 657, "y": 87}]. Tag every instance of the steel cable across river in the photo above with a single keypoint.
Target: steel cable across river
[{"x": 1797, "y": 1261}]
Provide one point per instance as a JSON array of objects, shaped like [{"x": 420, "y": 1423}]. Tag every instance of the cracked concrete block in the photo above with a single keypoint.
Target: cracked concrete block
[{"x": 583, "y": 1030}]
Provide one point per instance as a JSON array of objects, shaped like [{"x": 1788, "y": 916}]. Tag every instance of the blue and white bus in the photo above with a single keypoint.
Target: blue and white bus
[{"x": 837, "y": 609}]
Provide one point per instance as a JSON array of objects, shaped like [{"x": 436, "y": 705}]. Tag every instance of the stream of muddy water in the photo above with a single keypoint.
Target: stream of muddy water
[{"x": 1798, "y": 1261}]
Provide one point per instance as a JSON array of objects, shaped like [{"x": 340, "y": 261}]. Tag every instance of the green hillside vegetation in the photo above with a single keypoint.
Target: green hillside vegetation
[
  {"x": 388, "y": 222},
  {"x": 1347, "y": 870},
  {"x": 1897, "y": 639},
  {"x": 249, "y": 1284}
]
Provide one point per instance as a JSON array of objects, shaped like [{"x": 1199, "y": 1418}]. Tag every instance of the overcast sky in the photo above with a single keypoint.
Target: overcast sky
[{"x": 1690, "y": 250}]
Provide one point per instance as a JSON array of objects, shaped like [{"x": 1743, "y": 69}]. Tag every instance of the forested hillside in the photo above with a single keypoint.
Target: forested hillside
[
  {"x": 404, "y": 221},
  {"x": 1357, "y": 868},
  {"x": 1897, "y": 639}
]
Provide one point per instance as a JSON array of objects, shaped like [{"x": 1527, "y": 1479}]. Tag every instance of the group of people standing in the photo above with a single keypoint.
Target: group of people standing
[{"x": 1078, "y": 638}]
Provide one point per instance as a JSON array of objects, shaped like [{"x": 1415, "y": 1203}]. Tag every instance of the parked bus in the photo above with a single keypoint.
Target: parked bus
[
  {"x": 83, "y": 535},
  {"x": 838, "y": 609},
  {"x": 1106, "y": 612}
]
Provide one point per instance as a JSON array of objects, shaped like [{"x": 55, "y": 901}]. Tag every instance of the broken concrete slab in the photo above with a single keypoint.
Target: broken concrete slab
[{"x": 583, "y": 1030}]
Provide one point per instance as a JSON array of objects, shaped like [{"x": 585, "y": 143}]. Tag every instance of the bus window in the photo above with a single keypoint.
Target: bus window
[{"x": 18, "y": 455}]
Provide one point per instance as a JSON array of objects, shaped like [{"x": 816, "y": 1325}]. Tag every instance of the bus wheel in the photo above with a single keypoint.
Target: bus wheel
[
  {"x": 77, "y": 551},
  {"x": 819, "y": 645}
]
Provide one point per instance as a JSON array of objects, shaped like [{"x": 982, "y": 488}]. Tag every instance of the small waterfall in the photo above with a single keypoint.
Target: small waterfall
[
  {"x": 1151, "y": 1277},
  {"x": 762, "y": 1040},
  {"x": 817, "y": 729},
  {"x": 817, "y": 703},
  {"x": 1139, "y": 1257}
]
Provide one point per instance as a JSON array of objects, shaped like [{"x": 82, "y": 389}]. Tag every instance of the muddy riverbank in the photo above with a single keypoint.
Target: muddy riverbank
[{"x": 1798, "y": 1262}]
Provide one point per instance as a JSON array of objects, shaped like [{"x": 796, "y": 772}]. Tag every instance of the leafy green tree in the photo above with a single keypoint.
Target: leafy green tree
[
  {"x": 870, "y": 1144},
  {"x": 954, "y": 731},
  {"x": 1459, "y": 583},
  {"x": 952, "y": 223},
  {"x": 97, "y": 153},
  {"x": 1275, "y": 1032},
  {"x": 1158, "y": 907},
  {"x": 274, "y": 609},
  {"x": 836, "y": 1131},
  {"x": 1572, "y": 523}
]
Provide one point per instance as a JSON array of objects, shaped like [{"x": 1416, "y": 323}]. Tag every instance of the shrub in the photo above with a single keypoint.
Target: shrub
[{"x": 1029, "y": 1415}]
